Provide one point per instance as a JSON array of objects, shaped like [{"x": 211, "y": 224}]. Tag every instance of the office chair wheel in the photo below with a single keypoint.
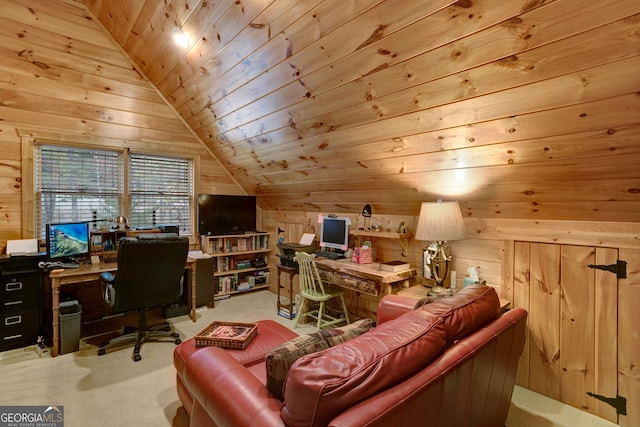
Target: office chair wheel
[
  {"x": 137, "y": 358},
  {"x": 101, "y": 352},
  {"x": 177, "y": 341}
]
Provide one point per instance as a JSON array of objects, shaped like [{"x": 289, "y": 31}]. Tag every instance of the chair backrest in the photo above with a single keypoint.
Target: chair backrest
[
  {"x": 310, "y": 279},
  {"x": 150, "y": 267}
]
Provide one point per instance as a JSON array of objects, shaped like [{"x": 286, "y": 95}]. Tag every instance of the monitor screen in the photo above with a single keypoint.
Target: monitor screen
[
  {"x": 334, "y": 233},
  {"x": 67, "y": 240}
]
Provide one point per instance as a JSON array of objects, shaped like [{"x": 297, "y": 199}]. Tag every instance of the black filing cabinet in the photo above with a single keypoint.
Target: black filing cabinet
[{"x": 20, "y": 301}]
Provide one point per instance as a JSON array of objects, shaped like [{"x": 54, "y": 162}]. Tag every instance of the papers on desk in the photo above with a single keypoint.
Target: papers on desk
[
  {"x": 197, "y": 254},
  {"x": 307, "y": 239}
]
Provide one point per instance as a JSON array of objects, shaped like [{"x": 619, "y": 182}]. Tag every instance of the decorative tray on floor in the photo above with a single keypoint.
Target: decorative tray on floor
[{"x": 230, "y": 335}]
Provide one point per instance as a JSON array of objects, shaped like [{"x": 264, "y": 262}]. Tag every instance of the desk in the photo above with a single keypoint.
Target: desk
[
  {"x": 365, "y": 278},
  {"x": 90, "y": 273},
  {"x": 368, "y": 282}
]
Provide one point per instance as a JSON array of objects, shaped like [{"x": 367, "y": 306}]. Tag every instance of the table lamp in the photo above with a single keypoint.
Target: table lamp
[{"x": 439, "y": 222}]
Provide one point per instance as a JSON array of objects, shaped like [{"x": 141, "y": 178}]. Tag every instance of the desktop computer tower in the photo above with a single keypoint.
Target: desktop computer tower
[{"x": 204, "y": 289}]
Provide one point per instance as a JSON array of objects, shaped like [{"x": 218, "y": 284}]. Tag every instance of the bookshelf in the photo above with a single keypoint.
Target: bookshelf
[{"x": 241, "y": 261}]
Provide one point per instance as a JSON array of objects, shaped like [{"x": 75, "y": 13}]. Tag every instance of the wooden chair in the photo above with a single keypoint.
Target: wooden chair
[{"x": 312, "y": 289}]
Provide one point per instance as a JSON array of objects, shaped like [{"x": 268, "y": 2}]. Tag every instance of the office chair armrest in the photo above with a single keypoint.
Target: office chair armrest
[{"x": 108, "y": 291}]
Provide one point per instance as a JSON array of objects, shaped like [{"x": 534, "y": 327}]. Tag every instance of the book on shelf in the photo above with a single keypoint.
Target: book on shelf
[{"x": 395, "y": 266}]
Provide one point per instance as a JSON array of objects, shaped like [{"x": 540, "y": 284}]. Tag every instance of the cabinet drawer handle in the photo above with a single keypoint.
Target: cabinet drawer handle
[
  {"x": 13, "y": 286},
  {"x": 13, "y": 320},
  {"x": 12, "y": 337},
  {"x": 13, "y": 302}
]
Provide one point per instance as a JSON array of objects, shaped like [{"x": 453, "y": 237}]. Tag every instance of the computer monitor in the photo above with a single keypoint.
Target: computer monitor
[
  {"x": 67, "y": 240},
  {"x": 334, "y": 233}
]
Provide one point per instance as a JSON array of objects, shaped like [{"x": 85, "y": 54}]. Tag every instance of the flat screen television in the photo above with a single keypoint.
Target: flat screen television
[
  {"x": 222, "y": 214},
  {"x": 334, "y": 233},
  {"x": 68, "y": 240}
]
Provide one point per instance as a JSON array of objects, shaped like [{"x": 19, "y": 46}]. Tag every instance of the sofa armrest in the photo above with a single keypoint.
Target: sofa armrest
[
  {"x": 229, "y": 392},
  {"x": 393, "y": 306}
]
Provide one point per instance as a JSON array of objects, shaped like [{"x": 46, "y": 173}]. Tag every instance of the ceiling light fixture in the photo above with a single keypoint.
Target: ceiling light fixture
[{"x": 180, "y": 38}]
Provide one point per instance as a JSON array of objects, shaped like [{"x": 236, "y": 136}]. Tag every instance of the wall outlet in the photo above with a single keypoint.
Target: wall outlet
[{"x": 453, "y": 278}]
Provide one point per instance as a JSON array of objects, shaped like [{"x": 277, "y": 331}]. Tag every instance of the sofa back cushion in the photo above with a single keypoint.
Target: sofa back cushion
[
  {"x": 467, "y": 311},
  {"x": 322, "y": 385},
  {"x": 279, "y": 359}
]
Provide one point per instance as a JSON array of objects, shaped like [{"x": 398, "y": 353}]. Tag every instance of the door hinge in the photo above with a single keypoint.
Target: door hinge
[
  {"x": 619, "y": 402},
  {"x": 619, "y": 268}
]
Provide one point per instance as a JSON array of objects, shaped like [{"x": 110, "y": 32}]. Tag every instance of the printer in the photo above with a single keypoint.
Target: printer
[{"x": 288, "y": 252}]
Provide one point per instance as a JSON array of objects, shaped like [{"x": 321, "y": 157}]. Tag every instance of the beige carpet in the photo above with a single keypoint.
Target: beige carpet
[{"x": 112, "y": 390}]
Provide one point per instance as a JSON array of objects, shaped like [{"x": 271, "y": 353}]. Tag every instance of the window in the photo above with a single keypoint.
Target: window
[
  {"x": 160, "y": 189},
  {"x": 76, "y": 184}
]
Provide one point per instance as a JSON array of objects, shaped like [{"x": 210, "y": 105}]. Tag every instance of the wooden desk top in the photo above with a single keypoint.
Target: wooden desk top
[
  {"x": 91, "y": 270},
  {"x": 367, "y": 271},
  {"x": 83, "y": 270}
]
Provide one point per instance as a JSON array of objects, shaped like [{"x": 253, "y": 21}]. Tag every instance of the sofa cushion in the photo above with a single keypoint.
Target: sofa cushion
[
  {"x": 471, "y": 308},
  {"x": 280, "y": 358},
  {"x": 323, "y": 384}
]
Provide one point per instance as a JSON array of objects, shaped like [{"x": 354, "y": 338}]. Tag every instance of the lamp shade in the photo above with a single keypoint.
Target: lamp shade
[{"x": 440, "y": 221}]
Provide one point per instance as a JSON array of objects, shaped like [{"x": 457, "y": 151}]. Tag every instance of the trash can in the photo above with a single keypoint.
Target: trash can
[{"x": 70, "y": 326}]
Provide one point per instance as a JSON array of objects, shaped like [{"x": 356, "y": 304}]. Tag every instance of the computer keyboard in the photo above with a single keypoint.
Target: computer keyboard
[
  {"x": 56, "y": 264},
  {"x": 330, "y": 255},
  {"x": 69, "y": 265}
]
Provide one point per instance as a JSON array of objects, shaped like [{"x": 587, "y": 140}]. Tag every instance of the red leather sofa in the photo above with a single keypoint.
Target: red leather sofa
[{"x": 449, "y": 363}]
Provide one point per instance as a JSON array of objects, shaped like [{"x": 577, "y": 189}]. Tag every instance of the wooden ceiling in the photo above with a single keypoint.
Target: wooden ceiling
[{"x": 517, "y": 108}]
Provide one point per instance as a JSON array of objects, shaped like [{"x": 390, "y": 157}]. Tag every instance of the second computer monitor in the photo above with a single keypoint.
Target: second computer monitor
[{"x": 334, "y": 233}]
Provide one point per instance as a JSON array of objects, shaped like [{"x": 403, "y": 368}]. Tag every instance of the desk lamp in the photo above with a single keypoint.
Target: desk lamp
[
  {"x": 439, "y": 222},
  {"x": 120, "y": 223}
]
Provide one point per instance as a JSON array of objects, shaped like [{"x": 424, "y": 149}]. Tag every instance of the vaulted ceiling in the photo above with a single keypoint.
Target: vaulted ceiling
[{"x": 517, "y": 108}]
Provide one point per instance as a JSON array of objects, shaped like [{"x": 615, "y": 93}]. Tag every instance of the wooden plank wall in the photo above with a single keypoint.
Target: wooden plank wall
[
  {"x": 503, "y": 252},
  {"x": 64, "y": 80},
  {"x": 489, "y": 243}
]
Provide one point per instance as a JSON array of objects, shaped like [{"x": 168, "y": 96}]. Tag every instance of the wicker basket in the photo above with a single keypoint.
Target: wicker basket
[{"x": 231, "y": 335}]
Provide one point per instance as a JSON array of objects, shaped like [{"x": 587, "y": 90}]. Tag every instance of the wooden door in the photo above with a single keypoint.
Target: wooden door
[{"x": 571, "y": 349}]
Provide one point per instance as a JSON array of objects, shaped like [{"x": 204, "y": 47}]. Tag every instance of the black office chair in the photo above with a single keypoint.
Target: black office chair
[{"x": 150, "y": 267}]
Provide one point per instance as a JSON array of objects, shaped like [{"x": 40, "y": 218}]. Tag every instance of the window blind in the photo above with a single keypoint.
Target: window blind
[
  {"x": 160, "y": 190},
  {"x": 74, "y": 184}
]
